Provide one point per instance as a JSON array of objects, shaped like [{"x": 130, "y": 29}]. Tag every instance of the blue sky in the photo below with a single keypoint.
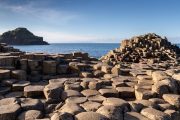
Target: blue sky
[{"x": 92, "y": 20}]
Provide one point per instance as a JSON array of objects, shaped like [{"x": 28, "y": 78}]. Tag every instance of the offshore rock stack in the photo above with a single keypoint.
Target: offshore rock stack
[
  {"x": 39, "y": 86},
  {"x": 149, "y": 46}
]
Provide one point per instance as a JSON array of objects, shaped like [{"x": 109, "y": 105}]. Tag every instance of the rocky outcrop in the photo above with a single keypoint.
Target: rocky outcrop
[
  {"x": 21, "y": 36},
  {"x": 149, "y": 46}
]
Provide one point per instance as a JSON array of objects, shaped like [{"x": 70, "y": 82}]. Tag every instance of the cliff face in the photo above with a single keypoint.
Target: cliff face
[{"x": 21, "y": 36}]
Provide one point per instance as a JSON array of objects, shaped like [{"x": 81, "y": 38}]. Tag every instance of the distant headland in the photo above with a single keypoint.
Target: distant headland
[{"x": 21, "y": 36}]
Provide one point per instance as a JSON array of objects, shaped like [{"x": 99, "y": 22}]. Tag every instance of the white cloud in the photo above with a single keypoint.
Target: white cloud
[{"x": 61, "y": 37}]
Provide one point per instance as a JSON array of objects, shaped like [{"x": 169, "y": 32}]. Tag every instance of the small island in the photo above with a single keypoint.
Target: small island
[{"x": 21, "y": 36}]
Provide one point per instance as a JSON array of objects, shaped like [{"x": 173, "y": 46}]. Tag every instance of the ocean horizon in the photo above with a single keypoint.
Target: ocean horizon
[{"x": 94, "y": 49}]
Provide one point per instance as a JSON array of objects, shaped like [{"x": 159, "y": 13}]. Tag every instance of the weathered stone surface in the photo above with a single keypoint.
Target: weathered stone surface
[
  {"x": 31, "y": 104},
  {"x": 172, "y": 99},
  {"x": 106, "y": 68},
  {"x": 76, "y": 100},
  {"x": 109, "y": 92},
  {"x": 7, "y": 101},
  {"x": 159, "y": 75},
  {"x": 174, "y": 115},
  {"x": 71, "y": 108},
  {"x": 52, "y": 92},
  {"x": 30, "y": 115},
  {"x": 33, "y": 91},
  {"x": 90, "y": 116},
  {"x": 117, "y": 102},
  {"x": 111, "y": 112},
  {"x": 62, "y": 116},
  {"x": 70, "y": 93},
  {"x": 62, "y": 69},
  {"x": 86, "y": 74},
  {"x": 98, "y": 73},
  {"x": 9, "y": 112},
  {"x": 17, "y": 94},
  {"x": 19, "y": 86},
  {"x": 143, "y": 94},
  {"x": 154, "y": 114},
  {"x": 134, "y": 116},
  {"x": 91, "y": 106},
  {"x": 4, "y": 74},
  {"x": 126, "y": 92},
  {"x": 89, "y": 92},
  {"x": 94, "y": 85},
  {"x": 19, "y": 74},
  {"x": 97, "y": 98},
  {"x": 49, "y": 67}
]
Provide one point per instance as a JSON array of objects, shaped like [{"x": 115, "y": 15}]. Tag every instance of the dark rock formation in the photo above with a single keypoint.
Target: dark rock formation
[
  {"x": 21, "y": 36},
  {"x": 149, "y": 46}
]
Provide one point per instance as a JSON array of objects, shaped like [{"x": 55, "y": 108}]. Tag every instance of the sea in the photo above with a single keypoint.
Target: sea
[{"x": 94, "y": 49}]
